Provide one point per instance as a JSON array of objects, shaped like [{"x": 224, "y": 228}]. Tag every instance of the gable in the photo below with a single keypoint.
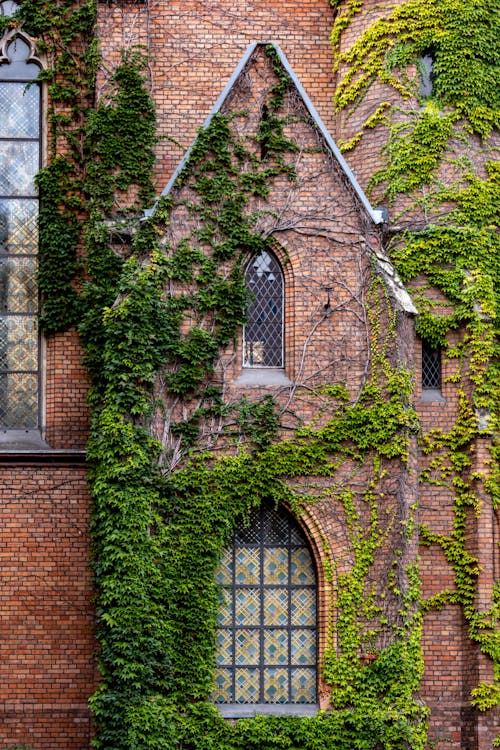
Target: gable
[{"x": 295, "y": 184}]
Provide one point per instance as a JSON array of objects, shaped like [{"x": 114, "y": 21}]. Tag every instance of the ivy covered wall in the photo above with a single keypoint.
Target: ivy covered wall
[
  {"x": 436, "y": 171},
  {"x": 177, "y": 454}
]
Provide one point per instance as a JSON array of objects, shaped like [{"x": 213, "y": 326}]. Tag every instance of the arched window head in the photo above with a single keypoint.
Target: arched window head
[
  {"x": 263, "y": 333},
  {"x": 266, "y": 652},
  {"x": 20, "y": 155}
]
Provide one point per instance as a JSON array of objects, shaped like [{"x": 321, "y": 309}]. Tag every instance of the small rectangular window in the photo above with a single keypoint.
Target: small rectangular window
[{"x": 431, "y": 367}]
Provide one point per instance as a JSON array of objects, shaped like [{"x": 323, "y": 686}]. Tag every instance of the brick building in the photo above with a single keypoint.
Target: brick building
[{"x": 322, "y": 269}]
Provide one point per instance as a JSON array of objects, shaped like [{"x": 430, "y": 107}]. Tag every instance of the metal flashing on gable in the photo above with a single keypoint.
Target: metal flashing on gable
[{"x": 377, "y": 215}]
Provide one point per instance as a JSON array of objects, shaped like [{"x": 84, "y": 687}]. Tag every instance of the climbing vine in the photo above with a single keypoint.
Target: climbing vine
[
  {"x": 180, "y": 500},
  {"x": 448, "y": 201},
  {"x": 163, "y": 511}
]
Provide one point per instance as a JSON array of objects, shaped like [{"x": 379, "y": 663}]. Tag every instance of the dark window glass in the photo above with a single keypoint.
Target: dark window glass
[
  {"x": 266, "y": 639},
  {"x": 263, "y": 332},
  {"x": 431, "y": 367},
  {"x": 427, "y": 74},
  {"x": 19, "y": 162}
]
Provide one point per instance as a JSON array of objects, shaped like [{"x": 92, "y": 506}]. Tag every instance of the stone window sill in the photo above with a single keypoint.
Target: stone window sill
[
  {"x": 249, "y": 710},
  {"x": 262, "y": 376},
  {"x": 430, "y": 395}
]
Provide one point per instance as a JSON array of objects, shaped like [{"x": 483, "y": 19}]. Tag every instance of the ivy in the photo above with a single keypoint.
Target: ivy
[
  {"x": 454, "y": 250},
  {"x": 158, "y": 535},
  {"x": 465, "y": 65}
]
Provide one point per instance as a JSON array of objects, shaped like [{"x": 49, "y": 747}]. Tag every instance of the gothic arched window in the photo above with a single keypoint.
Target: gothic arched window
[
  {"x": 266, "y": 637},
  {"x": 263, "y": 333},
  {"x": 20, "y": 156}
]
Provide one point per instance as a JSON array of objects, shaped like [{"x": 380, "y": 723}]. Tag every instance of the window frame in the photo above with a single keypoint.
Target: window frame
[
  {"x": 430, "y": 391},
  {"x": 244, "y": 362},
  {"x": 24, "y": 436},
  {"x": 296, "y": 540}
]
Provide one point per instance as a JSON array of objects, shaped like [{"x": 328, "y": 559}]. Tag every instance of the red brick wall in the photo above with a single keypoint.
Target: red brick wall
[
  {"x": 47, "y": 665},
  {"x": 64, "y": 400},
  {"x": 195, "y": 45}
]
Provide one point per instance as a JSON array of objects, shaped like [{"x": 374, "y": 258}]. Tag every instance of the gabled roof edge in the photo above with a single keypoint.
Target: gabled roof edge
[{"x": 377, "y": 215}]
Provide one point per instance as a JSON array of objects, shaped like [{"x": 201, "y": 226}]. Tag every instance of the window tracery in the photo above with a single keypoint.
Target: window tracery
[{"x": 20, "y": 159}]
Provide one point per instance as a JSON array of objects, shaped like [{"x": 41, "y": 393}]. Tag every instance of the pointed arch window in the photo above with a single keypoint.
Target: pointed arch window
[
  {"x": 263, "y": 334},
  {"x": 266, "y": 638},
  {"x": 20, "y": 160}
]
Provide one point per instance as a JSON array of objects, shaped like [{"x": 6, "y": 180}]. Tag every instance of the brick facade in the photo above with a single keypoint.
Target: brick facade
[{"x": 47, "y": 648}]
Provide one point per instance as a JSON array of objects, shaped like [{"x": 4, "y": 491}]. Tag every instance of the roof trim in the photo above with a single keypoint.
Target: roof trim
[{"x": 377, "y": 215}]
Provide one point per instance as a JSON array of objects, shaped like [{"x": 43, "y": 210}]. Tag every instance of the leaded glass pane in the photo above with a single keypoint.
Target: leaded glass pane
[
  {"x": 249, "y": 533},
  {"x": 302, "y": 567},
  {"x": 303, "y": 607},
  {"x": 263, "y": 332},
  {"x": 247, "y": 647},
  {"x": 18, "y": 343},
  {"x": 19, "y": 110},
  {"x": 225, "y": 570},
  {"x": 19, "y": 163},
  {"x": 224, "y": 647},
  {"x": 276, "y": 528},
  {"x": 18, "y": 226},
  {"x": 270, "y": 638},
  {"x": 303, "y": 683},
  {"x": 276, "y": 647},
  {"x": 18, "y": 401},
  {"x": 18, "y": 288},
  {"x": 276, "y": 607},
  {"x": 226, "y": 609},
  {"x": 247, "y": 606},
  {"x": 247, "y": 687},
  {"x": 303, "y": 645},
  {"x": 431, "y": 367},
  {"x": 276, "y": 566},
  {"x": 247, "y": 568},
  {"x": 276, "y": 686},
  {"x": 223, "y": 692}
]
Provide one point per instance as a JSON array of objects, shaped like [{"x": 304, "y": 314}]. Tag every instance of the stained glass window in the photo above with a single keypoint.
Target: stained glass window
[
  {"x": 266, "y": 637},
  {"x": 20, "y": 139},
  {"x": 263, "y": 332},
  {"x": 431, "y": 367}
]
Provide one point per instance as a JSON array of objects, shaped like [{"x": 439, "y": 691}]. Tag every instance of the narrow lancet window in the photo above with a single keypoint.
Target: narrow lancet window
[
  {"x": 431, "y": 367},
  {"x": 20, "y": 154},
  {"x": 263, "y": 332}
]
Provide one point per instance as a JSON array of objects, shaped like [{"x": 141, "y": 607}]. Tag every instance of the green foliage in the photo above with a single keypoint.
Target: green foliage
[
  {"x": 414, "y": 150},
  {"x": 158, "y": 536},
  {"x": 458, "y": 254},
  {"x": 465, "y": 65}
]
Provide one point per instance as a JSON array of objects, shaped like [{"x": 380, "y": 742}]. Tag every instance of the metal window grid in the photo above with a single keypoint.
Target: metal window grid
[
  {"x": 263, "y": 333},
  {"x": 269, "y": 528},
  {"x": 431, "y": 367}
]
